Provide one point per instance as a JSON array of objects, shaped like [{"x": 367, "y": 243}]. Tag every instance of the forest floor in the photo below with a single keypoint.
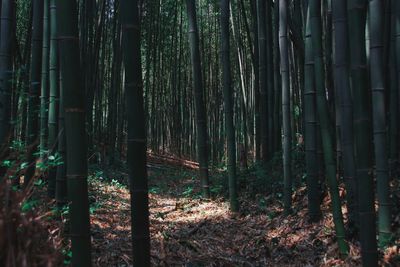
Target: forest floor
[{"x": 189, "y": 231}]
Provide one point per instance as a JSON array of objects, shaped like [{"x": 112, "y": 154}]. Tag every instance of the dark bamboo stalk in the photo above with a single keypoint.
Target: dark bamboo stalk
[
  {"x": 228, "y": 103},
  {"x": 326, "y": 132},
  {"x": 34, "y": 89},
  {"x": 287, "y": 131},
  {"x": 75, "y": 130},
  {"x": 136, "y": 158},
  {"x": 311, "y": 128},
  {"x": 344, "y": 103},
  {"x": 357, "y": 14},
  {"x": 6, "y": 30},
  {"x": 201, "y": 122},
  {"x": 376, "y": 16}
]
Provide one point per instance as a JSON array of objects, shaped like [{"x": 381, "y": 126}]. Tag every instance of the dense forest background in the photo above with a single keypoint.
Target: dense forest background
[{"x": 199, "y": 133}]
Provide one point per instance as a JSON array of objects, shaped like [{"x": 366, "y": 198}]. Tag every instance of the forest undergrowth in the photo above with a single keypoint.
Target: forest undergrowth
[{"x": 186, "y": 230}]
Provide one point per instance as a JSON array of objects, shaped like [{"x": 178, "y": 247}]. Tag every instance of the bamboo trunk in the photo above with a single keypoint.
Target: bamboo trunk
[
  {"x": 287, "y": 130},
  {"x": 228, "y": 104},
  {"x": 200, "y": 111},
  {"x": 357, "y": 13},
  {"x": 379, "y": 119},
  {"x": 75, "y": 130},
  {"x": 326, "y": 131}
]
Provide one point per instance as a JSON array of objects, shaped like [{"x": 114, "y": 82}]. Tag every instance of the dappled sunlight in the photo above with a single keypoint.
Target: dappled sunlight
[
  {"x": 187, "y": 230},
  {"x": 199, "y": 133}
]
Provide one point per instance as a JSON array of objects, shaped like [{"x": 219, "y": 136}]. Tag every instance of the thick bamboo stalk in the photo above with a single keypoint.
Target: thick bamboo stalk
[
  {"x": 357, "y": 14},
  {"x": 200, "y": 111},
  {"x": 376, "y": 16},
  {"x": 6, "y": 31},
  {"x": 345, "y": 105},
  {"x": 311, "y": 128},
  {"x": 136, "y": 158},
  {"x": 325, "y": 127},
  {"x": 228, "y": 104},
  {"x": 75, "y": 130}
]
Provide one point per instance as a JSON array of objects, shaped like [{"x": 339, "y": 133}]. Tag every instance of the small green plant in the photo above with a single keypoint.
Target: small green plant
[
  {"x": 165, "y": 235},
  {"x": 55, "y": 160},
  {"x": 17, "y": 145},
  {"x": 23, "y": 166},
  {"x": 116, "y": 183},
  {"x": 65, "y": 210},
  {"x": 28, "y": 205},
  {"x": 188, "y": 191},
  {"x": 327, "y": 230},
  {"x": 51, "y": 162},
  {"x": 154, "y": 190},
  {"x": 7, "y": 163},
  {"x": 94, "y": 207},
  {"x": 99, "y": 174},
  {"x": 67, "y": 256},
  {"x": 39, "y": 182}
]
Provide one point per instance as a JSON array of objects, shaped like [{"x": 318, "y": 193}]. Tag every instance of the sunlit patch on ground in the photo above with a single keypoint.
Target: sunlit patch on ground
[{"x": 189, "y": 231}]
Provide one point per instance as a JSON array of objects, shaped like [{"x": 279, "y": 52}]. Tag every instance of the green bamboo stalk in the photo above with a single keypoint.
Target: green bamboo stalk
[
  {"x": 379, "y": 119},
  {"x": 287, "y": 131},
  {"x": 397, "y": 49},
  {"x": 270, "y": 80},
  {"x": 34, "y": 88},
  {"x": 61, "y": 179},
  {"x": 75, "y": 130},
  {"x": 227, "y": 91},
  {"x": 345, "y": 105},
  {"x": 54, "y": 92},
  {"x": 357, "y": 12},
  {"x": 262, "y": 68},
  {"x": 136, "y": 158},
  {"x": 200, "y": 111},
  {"x": 394, "y": 94},
  {"x": 277, "y": 82},
  {"x": 311, "y": 128},
  {"x": 256, "y": 83},
  {"x": 6, "y": 26},
  {"x": 298, "y": 27},
  {"x": 326, "y": 133},
  {"x": 45, "y": 81},
  {"x": 328, "y": 53}
]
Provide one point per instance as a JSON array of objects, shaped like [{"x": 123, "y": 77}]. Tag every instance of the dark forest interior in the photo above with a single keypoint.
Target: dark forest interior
[{"x": 199, "y": 133}]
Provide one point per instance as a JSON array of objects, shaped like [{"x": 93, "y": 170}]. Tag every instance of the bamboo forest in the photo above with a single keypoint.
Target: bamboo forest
[{"x": 199, "y": 133}]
